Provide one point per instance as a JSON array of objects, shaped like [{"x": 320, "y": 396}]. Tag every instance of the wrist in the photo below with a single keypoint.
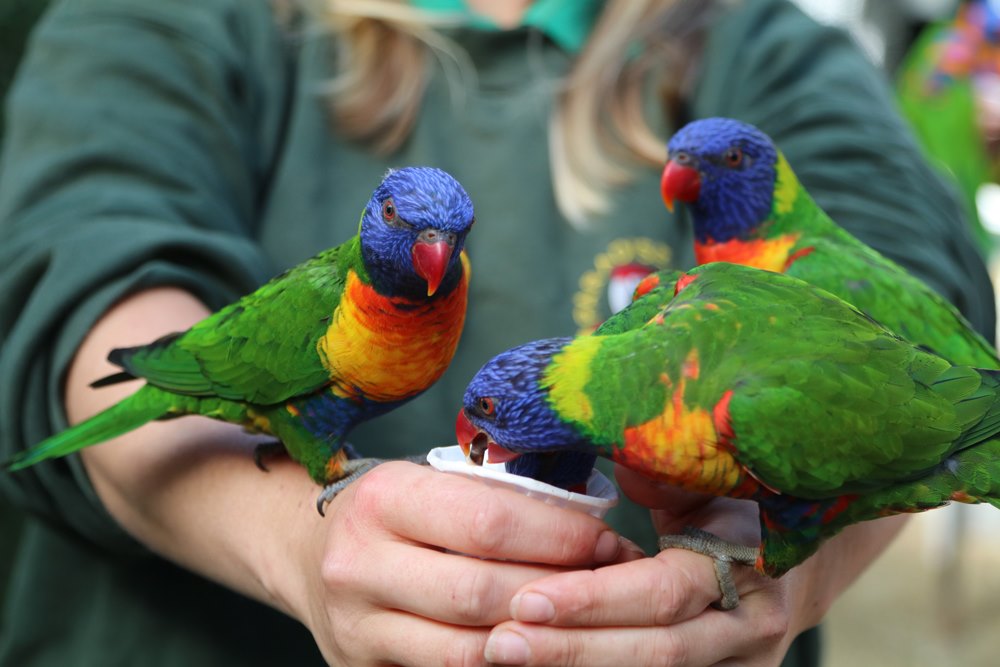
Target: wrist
[{"x": 288, "y": 560}]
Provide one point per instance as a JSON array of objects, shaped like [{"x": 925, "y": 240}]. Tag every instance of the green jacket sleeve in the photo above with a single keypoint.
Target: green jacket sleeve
[
  {"x": 117, "y": 175},
  {"x": 833, "y": 115}
]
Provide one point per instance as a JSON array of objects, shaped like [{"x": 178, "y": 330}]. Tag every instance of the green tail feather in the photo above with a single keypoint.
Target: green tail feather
[{"x": 145, "y": 405}]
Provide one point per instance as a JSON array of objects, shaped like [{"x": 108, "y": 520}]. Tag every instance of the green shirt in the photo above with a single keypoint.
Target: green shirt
[{"x": 185, "y": 143}]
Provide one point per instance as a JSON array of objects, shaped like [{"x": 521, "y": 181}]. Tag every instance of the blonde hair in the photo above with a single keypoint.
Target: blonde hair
[{"x": 598, "y": 131}]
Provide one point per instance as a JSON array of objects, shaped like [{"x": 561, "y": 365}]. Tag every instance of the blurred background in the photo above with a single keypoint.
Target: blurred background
[{"x": 934, "y": 598}]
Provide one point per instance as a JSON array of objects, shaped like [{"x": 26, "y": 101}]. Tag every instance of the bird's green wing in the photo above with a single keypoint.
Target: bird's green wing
[
  {"x": 826, "y": 401},
  {"x": 830, "y": 430},
  {"x": 261, "y": 348}
]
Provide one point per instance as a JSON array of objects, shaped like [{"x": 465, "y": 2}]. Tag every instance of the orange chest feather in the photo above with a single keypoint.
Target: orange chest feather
[
  {"x": 770, "y": 254},
  {"x": 686, "y": 446},
  {"x": 389, "y": 349}
]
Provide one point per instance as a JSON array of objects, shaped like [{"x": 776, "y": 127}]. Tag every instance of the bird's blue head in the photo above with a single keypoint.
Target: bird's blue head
[
  {"x": 413, "y": 231},
  {"x": 725, "y": 171},
  {"x": 506, "y": 410}
]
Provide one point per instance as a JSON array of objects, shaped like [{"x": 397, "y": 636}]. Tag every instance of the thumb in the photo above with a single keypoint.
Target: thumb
[
  {"x": 658, "y": 495},
  {"x": 674, "y": 508}
]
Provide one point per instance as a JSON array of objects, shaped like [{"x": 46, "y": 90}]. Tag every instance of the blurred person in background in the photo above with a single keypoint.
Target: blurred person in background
[{"x": 949, "y": 89}]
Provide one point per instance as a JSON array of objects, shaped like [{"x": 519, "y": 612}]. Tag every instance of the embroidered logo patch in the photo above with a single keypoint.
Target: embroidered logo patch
[{"x": 607, "y": 288}]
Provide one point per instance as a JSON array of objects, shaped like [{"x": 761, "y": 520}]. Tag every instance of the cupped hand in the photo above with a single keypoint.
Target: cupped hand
[
  {"x": 389, "y": 577},
  {"x": 657, "y": 610}
]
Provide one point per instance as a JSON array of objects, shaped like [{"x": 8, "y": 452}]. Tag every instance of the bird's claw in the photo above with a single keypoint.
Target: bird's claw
[
  {"x": 352, "y": 469},
  {"x": 266, "y": 450},
  {"x": 723, "y": 555}
]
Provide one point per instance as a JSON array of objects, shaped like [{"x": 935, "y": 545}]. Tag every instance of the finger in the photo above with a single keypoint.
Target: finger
[
  {"x": 708, "y": 639},
  {"x": 674, "y": 586},
  {"x": 470, "y": 517},
  {"x": 398, "y": 638},
  {"x": 450, "y": 588},
  {"x": 732, "y": 519}
]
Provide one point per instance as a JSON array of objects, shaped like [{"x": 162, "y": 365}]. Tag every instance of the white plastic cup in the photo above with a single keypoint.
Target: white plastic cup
[{"x": 600, "y": 497}]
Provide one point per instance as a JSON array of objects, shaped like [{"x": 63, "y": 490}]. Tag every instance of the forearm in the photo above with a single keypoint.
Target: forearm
[
  {"x": 188, "y": 488},
  {"x": 820, "y": 580}
]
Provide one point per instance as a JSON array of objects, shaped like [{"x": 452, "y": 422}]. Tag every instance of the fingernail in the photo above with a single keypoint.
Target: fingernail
[
  {"x": 507, "y": 648},
  {"x": 532, "y": 608},
  {"x": 607, "y": 547},
  {"x": 629, "y": 545}
]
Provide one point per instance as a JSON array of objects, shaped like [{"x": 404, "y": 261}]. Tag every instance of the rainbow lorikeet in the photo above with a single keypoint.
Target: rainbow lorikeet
[
  {"x": 345, "y": 336},
  {"x": 754, "y": 385},
  {"x": 748, "y": 207}
]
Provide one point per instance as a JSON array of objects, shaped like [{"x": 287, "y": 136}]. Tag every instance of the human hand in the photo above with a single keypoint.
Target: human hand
[
  {"x": 658, "y": 611},
  {"x": 380, "y": 586}
]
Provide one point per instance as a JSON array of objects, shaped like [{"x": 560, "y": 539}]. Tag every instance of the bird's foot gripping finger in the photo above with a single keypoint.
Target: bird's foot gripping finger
[
  {"x": 267, "y": 450},
  {"x": 350, "y": 470},
  {"x": 723, "y": 555}
]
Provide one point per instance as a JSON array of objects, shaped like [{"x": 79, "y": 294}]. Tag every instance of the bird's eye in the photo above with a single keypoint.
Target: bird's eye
[
  {"x": 733, "y": 157},
  {"x": 388, "y": 211},
  {"x": 681, "y": 158},
  {"x": 486, "y": 405}
]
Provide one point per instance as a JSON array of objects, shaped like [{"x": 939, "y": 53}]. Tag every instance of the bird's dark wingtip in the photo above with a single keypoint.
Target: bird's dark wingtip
[
  {"x": 115, "y": 378},
  {"x": 10, "y": 464}
]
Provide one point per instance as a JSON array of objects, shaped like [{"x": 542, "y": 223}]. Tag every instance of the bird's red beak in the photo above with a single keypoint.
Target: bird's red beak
[
  {"x": 679, "y": 183},
  {"x": 465, "y": 433},
  {"x": 477, "y": 445},
  {"x": 431, "y": 254}
]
